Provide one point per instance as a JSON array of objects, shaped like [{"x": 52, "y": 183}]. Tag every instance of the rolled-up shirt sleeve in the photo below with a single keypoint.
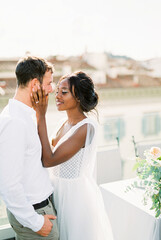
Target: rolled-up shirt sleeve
[{"x": 12, "y": 159}]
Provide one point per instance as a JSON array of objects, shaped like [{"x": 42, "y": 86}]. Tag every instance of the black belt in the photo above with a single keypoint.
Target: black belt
[{"x": 41, "y": 204}]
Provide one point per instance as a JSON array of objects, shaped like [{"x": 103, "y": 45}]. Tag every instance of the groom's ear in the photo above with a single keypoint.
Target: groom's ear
[{"x": 34, "y": 83}]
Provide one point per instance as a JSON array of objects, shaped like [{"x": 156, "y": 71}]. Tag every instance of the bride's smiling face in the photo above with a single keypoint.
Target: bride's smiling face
[{"x": 64, "y": 98}]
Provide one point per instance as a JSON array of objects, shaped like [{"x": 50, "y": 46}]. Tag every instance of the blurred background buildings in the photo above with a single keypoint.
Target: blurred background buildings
[{"x": 107, "y": 70}]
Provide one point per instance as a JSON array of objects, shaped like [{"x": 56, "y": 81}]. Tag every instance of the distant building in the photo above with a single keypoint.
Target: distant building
[
  {"x": 7, "y": 75},
  {"x": 105, "y": 69},
  {"x": 97, "y": 60},
  {"x": 67, "y": 65},
  {"x": 155, "y": 66}
]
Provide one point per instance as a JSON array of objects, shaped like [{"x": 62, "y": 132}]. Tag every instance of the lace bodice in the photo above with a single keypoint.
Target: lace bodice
[
  {"x": 70, "y": 168},
  {"x": 83, "y": 160}
]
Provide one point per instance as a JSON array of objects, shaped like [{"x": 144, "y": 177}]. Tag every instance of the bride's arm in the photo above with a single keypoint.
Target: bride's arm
[
  {"x": 65, "y": 151},
  {"x": 68, "y": 148}
]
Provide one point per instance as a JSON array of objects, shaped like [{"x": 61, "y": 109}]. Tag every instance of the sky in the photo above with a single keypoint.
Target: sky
[{"x": 70, "y": 27}]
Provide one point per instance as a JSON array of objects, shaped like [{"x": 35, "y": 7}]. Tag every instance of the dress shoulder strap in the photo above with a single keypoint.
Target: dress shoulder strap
[
  {"x": 78, "y": 125},
  {"x": 92, "y": 127},
  {"x": 85, "y": 121}
]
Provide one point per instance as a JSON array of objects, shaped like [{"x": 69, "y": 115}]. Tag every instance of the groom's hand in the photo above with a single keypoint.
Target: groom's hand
[{"x": 46, "y": 228}]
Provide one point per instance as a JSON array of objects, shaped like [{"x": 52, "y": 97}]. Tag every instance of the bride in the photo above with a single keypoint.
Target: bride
[{"x": 77, "y": 198}]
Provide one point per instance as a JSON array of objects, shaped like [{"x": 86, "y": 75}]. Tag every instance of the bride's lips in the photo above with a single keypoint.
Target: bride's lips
[{"x": 58, "y": 103}]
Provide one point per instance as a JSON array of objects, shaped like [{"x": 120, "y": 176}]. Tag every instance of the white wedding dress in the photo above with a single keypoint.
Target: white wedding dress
[{"x": 78, "y": 200}]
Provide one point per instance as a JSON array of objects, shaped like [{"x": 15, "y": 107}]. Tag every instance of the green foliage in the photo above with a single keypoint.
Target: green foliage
[{"x": 149, "y": 172}]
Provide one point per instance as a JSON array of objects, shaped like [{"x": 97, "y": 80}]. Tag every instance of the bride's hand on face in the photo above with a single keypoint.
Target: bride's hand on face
[{"x": 39, "y": 100}]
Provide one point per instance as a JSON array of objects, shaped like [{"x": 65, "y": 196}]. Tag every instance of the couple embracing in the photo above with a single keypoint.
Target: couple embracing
[{"x": 33, "y": 200}]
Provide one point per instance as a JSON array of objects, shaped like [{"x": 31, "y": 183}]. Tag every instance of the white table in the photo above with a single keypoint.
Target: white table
[{"x": 130, "y": 219}]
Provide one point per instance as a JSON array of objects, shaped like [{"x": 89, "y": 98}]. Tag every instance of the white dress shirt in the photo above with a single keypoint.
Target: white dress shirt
[{"x": 23, "y": 180}]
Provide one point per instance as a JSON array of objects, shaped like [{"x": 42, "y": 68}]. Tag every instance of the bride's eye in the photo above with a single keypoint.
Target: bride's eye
[{"x": 64, "y": 92}]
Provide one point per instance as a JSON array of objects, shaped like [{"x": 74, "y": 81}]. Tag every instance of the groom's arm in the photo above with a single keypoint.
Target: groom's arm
[{"x": 12, "y": 148}]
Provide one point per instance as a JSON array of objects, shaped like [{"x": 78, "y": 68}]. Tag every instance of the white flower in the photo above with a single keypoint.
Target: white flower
[
  {"x": 155, "y": 191},
  {"x": 150, "y": 190}
]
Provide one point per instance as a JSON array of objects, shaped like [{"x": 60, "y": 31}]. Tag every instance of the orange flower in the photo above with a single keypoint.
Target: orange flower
[{"x": 156, "y": 152}]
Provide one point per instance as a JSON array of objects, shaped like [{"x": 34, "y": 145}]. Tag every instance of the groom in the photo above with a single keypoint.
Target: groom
[{"x": 24, "y": 184}]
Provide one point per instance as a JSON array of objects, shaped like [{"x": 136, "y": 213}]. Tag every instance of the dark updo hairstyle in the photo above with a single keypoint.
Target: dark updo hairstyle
[{"x": 82, "y": 88}]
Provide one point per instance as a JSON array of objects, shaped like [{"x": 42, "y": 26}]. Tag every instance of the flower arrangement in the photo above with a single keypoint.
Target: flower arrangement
[{"x": 149, "y": 171}]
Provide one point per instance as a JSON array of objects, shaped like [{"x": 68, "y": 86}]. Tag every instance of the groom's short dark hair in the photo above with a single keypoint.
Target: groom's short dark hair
[{"x": 31, "y": 67}]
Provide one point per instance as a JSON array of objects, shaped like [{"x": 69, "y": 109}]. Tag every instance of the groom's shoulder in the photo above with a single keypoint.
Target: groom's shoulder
[{"x": 7, "y": 119}]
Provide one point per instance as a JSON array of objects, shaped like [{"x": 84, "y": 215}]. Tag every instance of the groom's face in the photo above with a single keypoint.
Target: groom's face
[{"x": 47, "y": 82}]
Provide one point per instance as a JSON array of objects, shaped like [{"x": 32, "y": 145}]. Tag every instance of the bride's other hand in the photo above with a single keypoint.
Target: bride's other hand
[{"x": 39, "y": 101}]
